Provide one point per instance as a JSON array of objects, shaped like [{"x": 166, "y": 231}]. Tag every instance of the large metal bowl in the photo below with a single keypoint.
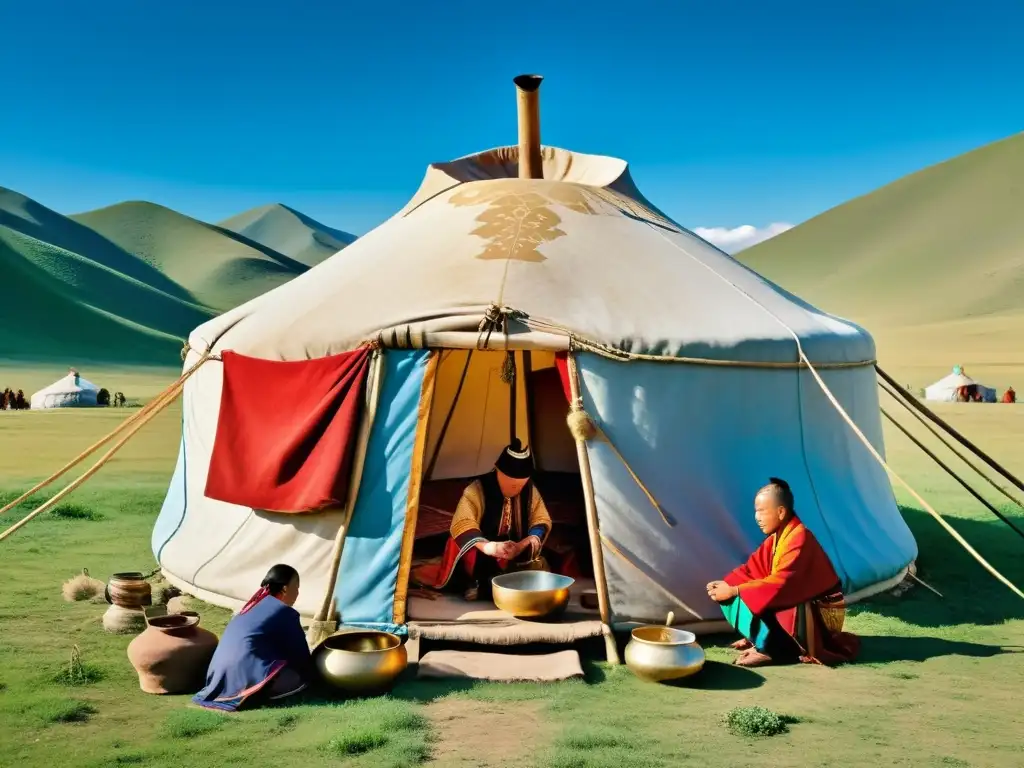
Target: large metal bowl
[
  {"x": 660, "y": 654},
  {"x": 531, "y": 594},
  {"x": 362, "y": 662}
]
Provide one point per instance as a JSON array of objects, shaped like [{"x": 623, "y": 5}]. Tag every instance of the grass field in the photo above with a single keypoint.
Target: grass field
[{"x": 938, "y": 685}]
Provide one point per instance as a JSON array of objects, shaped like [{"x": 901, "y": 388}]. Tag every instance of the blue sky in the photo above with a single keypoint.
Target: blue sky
[{"x": 730, "y": 113}]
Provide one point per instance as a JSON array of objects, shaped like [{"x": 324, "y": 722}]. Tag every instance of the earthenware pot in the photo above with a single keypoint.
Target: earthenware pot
[
  {"x": 362, "y": 662},
  {"x": 128, "y": 590},
  {"x": 531, "y": 594},
  {"x": 173, "y": 654},
  {"x": 660, "y": 654}
]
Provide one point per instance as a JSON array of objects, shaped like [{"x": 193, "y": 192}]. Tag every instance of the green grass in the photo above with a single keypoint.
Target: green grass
[
  {"x": 757, "y": 721},
  {"x": 938, "y": 683}
]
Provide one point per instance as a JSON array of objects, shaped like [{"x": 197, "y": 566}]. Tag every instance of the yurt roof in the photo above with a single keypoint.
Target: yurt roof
[
  {"x": 67, "y": 384},
  {"x": 580, "y": 252}
]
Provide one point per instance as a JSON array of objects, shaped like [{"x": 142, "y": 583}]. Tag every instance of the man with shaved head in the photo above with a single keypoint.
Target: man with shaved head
[{"x": 786, "y": 600}]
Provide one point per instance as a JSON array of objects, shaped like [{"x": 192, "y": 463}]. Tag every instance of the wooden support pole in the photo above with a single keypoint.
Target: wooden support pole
[
  {"x": 593, "y": 528},
  {"x": 328, "y": 606},
  {"x": 931, "y": 415}
]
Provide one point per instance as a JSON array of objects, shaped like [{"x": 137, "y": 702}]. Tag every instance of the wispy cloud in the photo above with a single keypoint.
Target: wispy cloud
[{"x": 736, "y": 239}]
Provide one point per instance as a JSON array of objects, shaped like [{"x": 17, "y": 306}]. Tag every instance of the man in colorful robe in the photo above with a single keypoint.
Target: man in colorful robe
[
  {"x": 786, "y": 600},
  {"x": 1009, "y": 396},
  {"x": 500, "y": 525}
]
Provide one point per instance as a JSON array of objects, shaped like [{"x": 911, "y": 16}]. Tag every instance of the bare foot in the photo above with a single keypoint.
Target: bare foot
[
  {"x": 742, "y": 645},
  {"x": 753, "y": 658}
]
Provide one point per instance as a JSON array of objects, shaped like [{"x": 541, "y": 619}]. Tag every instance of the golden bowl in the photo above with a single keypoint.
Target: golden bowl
[
  {"x": 531, "y": 594},
  {"x": 361, "y": 662},
  {"x": 660, "y": 654}
]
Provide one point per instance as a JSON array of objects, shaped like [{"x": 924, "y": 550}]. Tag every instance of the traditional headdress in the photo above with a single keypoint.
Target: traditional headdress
[{"x": 515, "y": 461}]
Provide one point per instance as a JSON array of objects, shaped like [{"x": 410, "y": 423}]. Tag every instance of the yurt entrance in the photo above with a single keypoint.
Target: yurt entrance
[{"x": 473, "y": 417}]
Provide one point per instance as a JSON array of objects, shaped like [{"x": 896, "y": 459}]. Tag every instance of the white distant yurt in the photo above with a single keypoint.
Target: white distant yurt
[
  {"x": 511, "y": 282},
  {"x": 945, "y": 389},
  {"x": 71, "y": 391}
]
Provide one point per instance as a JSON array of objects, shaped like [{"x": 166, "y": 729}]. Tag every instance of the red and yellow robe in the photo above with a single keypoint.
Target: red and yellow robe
[
  {"x": 484, "y": 514},
  {"x": 790, "y": 583}
]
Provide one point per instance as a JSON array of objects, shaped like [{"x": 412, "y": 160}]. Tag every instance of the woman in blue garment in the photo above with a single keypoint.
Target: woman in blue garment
[{"x": 263, "y": 655}]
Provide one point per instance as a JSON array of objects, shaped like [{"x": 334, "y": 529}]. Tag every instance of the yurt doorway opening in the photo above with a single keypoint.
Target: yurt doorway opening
[{"x": 471, "y": 422}]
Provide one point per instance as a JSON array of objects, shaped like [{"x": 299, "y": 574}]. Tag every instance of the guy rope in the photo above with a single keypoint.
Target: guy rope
[{"x": 129, "y": 426}]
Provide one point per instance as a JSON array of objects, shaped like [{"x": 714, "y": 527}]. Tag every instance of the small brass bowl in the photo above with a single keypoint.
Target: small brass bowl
[
  {"x": 659, "y": 653},
  {"x": 531, "y": 594},
  {"x": 363, "y": 662}
]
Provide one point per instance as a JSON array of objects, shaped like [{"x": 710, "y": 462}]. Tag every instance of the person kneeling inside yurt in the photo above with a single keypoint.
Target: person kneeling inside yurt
[
  {"x": 263, "y": 655},
  {"x": 500, "y": 525},
  {"x": 786, "y": 600}
]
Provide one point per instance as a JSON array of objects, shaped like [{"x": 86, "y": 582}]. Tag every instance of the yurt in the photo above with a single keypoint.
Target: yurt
[
  {"x": 946, "y": 388},
  {"x": 71, "y": 391},
  {"x": 333, "y": 422}
]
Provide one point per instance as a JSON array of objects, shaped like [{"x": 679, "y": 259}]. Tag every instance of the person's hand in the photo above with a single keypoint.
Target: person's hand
[
  {"x": 533, "y": 544},
  {"x": 719, "y": 591},
  {"x": 506, "y": 550}
]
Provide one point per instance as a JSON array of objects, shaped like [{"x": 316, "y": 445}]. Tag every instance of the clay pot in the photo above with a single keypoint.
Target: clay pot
[
  {"x": 128, "y": 590},
  {"x": 173, "y": 654}
]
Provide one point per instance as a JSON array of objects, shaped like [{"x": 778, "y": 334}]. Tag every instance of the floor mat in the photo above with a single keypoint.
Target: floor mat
[{"x": 501, "y": 667}]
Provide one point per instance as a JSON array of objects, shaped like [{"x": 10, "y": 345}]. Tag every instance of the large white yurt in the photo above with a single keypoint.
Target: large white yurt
[
  {"x": 513, "y": 280},
  {"x": 71, "y": 391},
  {"x": 946, "y": 388}
]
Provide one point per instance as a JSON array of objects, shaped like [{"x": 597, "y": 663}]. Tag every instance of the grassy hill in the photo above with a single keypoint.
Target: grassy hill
[
  {"x": 932, "y": 265},
  {"x": 127, "y": 283},
  {"x": 66, "y": 292},
  {"x": 289, "y": 232},
  {"x": 222, "y": 269}
]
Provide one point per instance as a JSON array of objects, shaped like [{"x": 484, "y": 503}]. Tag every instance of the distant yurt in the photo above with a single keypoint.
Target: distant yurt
[
  {"x": 336, "y": 419},
  {"x": 946, "y": 388},
  {"x": 71, "y": 391}
]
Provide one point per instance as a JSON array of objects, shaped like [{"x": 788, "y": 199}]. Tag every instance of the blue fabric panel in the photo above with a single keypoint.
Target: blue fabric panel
[
  {"x": 365, "y": 589},
  {"x": 175, "y": 505},
  {"x": 703, "y": 440}
]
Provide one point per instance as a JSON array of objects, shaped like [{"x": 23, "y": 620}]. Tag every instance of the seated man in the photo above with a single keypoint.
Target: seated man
[
  {"x": 500, "y": 524},
  {"x": 1009, "y": 396},
  {"x": 786, "y": 601}
]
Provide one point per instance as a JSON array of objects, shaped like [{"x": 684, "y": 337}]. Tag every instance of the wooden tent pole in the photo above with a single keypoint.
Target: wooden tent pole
[
  {"x": 951, "y": 473},
  {"x": 156, "y": 403},
  {"x": 888, "y": 390},
  {"x": 328, "y": 608},
  {"x": 590, "y": 503},
  {"x": 930, "y": 414},
  {"x": 94, "y": 468}
]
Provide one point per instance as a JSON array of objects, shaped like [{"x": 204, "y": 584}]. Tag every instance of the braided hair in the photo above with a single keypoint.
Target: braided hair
[{"x": 781, "y": 492}]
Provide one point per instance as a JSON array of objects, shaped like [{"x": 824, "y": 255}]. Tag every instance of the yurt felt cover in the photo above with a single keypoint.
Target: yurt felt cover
[
  {"x": 704, "y": 443},
  {"x": 285, "y": 432},
  {"x": 365, "y": 589}
]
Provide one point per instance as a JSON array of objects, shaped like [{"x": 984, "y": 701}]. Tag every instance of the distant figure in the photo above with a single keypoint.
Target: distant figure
[
  {"x": 1009, "y": 396},
  {"x": 19, "y": 401},
  {"x": 5, "y": 400},
  {"x": 103, "y": 398},
  {"x": 119, "y": 400},
  {"x": 786, "y": 601}
]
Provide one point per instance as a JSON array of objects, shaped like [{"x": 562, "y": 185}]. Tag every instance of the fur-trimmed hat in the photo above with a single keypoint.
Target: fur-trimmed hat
[{"x": 515, "y": 461}]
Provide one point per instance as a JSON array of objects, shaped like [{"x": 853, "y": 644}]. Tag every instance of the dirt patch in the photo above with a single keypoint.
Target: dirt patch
[{"x": 484, "y": 734}]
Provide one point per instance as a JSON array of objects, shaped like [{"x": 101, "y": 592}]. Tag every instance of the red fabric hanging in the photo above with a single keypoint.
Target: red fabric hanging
[
  {"x": 286, "y": 431},
  {"x": 562, "y": 364}
]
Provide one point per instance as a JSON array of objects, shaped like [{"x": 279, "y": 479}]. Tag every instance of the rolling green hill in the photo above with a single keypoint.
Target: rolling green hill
[
  {"x": 932, "y": 265},
  {"x": 222, "y": 269},
  {"x": 289, "y": 232},
  {"x": 127, "y": 283}
]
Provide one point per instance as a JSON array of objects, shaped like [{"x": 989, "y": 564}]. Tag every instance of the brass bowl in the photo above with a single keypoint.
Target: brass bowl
[
  {"x": 659, "y": 653},
  {"x": 531, "y": 594},
  {"x": 361, "y": 662}
]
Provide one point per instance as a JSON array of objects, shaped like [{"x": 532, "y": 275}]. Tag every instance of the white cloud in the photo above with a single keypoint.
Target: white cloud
[{"x": 736, "y": 239}]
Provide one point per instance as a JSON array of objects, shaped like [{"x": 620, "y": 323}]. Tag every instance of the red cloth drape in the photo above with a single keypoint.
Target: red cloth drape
[
  {"x": 286, "y": 431},
  {"x": 562, "y": 364}
]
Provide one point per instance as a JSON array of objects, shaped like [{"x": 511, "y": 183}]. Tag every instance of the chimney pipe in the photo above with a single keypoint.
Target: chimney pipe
[{"x": 527, "y": 100}]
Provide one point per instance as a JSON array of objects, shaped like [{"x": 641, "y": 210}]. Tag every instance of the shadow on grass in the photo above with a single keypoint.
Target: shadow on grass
[
  {"x": 718, "y": 676},
  {"x": 878, "y": 649},
  {"x": 970, "y": 595}
]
